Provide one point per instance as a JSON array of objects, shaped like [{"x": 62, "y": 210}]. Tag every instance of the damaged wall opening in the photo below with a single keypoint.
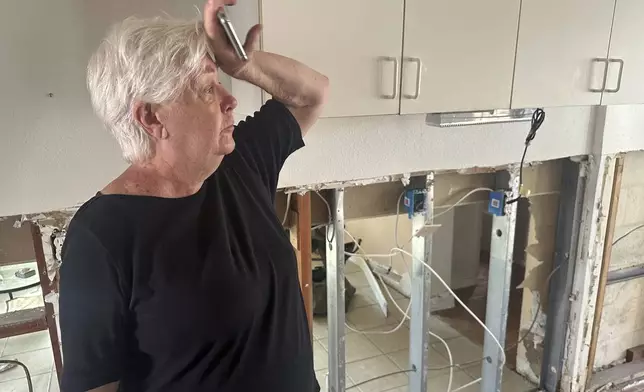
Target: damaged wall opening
[{"x": 460, "y": 254}]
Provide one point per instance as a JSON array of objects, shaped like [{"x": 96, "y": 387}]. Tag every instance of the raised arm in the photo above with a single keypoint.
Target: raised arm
[
  {"x": 302, "y": 89},
  {"x": 297, "y": 86}
]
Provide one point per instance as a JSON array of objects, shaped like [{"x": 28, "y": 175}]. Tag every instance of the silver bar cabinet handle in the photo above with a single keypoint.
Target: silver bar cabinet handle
[
  {"x": 382, "y": 60},
  {"x": 619, "y": 76},
  {"x": 603, "y": 87},
  {"x": 419, "y": 67}
]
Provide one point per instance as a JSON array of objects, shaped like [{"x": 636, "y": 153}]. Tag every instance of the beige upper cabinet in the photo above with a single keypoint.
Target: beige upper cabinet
[
  {"x": 560, "y": 50},
  {"x": 625, "y": 77},
  {"x": 356, "y": 43},
  {"x": 458, "y": 55}
]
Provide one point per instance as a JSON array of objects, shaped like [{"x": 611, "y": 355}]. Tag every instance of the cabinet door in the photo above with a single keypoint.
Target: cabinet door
[
  {"x": 558, "y": 42},
  {"x": 627, "y": 55},
  {"x": 458, "y": 55},
  {"x": 356, "y": 43}
]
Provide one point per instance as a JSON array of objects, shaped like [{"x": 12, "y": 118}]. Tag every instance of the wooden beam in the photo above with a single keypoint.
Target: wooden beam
[
  {"x": 608, "y": 248},
  {"x": 303, "y": 239},
  {"x": 47, "y": 287}
]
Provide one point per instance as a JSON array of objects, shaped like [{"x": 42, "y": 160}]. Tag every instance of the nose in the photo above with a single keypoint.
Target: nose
[{"x": 228, "y": 103}]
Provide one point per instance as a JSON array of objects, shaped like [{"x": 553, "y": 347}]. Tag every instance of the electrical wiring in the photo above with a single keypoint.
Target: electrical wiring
[
  {"x": 286, "y": 210},
  {"x": 380, "y": 377},
  {"x": 530, "y": 328},
  {"x": 399, "y": 251},
  {"x": 449, "y": 208},
  {"x": 401, "y": 323},
  {"x": 440, "y": 339},
  {"x": 538, "y": 117},
  {"x": 468, "y": 194},
  {"x": 469, "y": 384},
  {"x": 288, "y": 205},
  {"x": 30, "y": 386},
  {"x": 405, "y": 314},
  {"x": 328, "y": 208},
  {"x": 627, "y": 234},
  {"x": 536, "y": 313},
  {"x": 440, "y": 279},
  {"x": 396, "y": 231}
]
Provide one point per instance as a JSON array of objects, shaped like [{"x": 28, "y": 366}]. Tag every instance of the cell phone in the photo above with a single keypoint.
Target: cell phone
[{"x": 231, "y": 34}]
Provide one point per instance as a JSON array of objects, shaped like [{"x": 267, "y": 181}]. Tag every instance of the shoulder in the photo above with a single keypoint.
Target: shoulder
[
  {"x": 272, "y": 113},
  {"x": 101, "y": 225},
  {"x": 99, "y": 214}
]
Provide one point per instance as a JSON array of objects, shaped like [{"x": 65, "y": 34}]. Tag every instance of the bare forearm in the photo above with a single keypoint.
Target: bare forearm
[{"x": 287, "y": 80}]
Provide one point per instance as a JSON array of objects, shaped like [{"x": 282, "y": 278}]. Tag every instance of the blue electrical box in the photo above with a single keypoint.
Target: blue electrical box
[
  {"x": 496, "y": 204},
  {"x": 414, "y": 201}
]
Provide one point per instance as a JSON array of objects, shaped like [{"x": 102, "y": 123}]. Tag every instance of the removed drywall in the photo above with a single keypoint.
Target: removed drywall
[
  {"x": 622, "y": 322},
  {"x": 544, "y": 182}
]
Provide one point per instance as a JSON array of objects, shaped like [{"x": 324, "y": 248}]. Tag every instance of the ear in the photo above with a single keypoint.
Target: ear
[{"x": 146, "y": 115}]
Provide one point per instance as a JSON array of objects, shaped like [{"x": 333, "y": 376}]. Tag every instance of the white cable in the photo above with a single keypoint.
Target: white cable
[
  {"x": 473, "y": 191},
  {"x": 469, "y": 384},
  {"x": 288, "y": 204},
  {"x": 451, "y": 207},
  {"x": 451, "y": 360},
  {"x": 402, "y": 322},
  {"x": 459, "y": 301},
  {"x": 396, "y": 230},
  {"x": 405, "y": 314},
  {"x": 328, "y": 206},
  {"x": 368, "y": 255},
  {"x": 496, "y": 341},
  {"x": 481, "y": 323}
]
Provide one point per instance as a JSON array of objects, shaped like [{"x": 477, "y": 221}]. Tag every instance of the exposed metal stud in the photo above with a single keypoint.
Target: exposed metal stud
[
  {"x": 499, "y": 281},
  {"x": 421, "y": 291},
  {"x": 335, "y": 294},
  {"x": 573, "y": 184}
]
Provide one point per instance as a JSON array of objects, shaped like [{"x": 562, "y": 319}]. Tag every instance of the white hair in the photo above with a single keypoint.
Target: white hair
[{"x": 143, "y": 60}]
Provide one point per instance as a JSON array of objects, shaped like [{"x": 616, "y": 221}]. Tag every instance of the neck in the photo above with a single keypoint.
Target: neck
[{"x": 160, "y": 177}]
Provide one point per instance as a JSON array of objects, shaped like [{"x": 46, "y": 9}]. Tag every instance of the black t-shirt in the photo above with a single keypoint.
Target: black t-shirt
[{"x": 198, "y": 293}]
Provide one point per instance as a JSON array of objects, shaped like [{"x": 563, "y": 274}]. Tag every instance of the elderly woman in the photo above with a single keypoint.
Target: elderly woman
[{"x": 177, "y": 276}]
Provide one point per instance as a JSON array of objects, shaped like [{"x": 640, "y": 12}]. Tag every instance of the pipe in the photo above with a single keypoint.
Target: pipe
[
  {"x": 624, "y": 274},
  {"x": 608, "y": 247}
]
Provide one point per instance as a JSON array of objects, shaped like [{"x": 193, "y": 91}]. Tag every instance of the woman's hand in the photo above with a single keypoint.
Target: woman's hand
[{"x": 225, "y": 55}]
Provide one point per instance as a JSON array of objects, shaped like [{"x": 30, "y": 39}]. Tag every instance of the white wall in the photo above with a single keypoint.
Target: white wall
[
  {"x": 54, "y": 153},
  {"x": 364, "y": 147}
]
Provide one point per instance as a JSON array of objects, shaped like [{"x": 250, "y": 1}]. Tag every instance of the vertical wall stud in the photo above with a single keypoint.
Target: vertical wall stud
[
  {"x": 421, "y": 289},
  {"x": 499, "y": 281},
  {"x": 335, "y": 293}
]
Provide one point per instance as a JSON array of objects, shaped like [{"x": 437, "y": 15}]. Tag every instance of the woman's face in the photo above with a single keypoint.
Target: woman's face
[{"x": 200, "y": 123}]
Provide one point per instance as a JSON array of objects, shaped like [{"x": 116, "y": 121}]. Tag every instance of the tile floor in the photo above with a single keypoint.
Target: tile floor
[
  {"x": 34, "y": 350},
  {"x": 368, "y": 355},
  {"x": 371, "y": 355}
]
